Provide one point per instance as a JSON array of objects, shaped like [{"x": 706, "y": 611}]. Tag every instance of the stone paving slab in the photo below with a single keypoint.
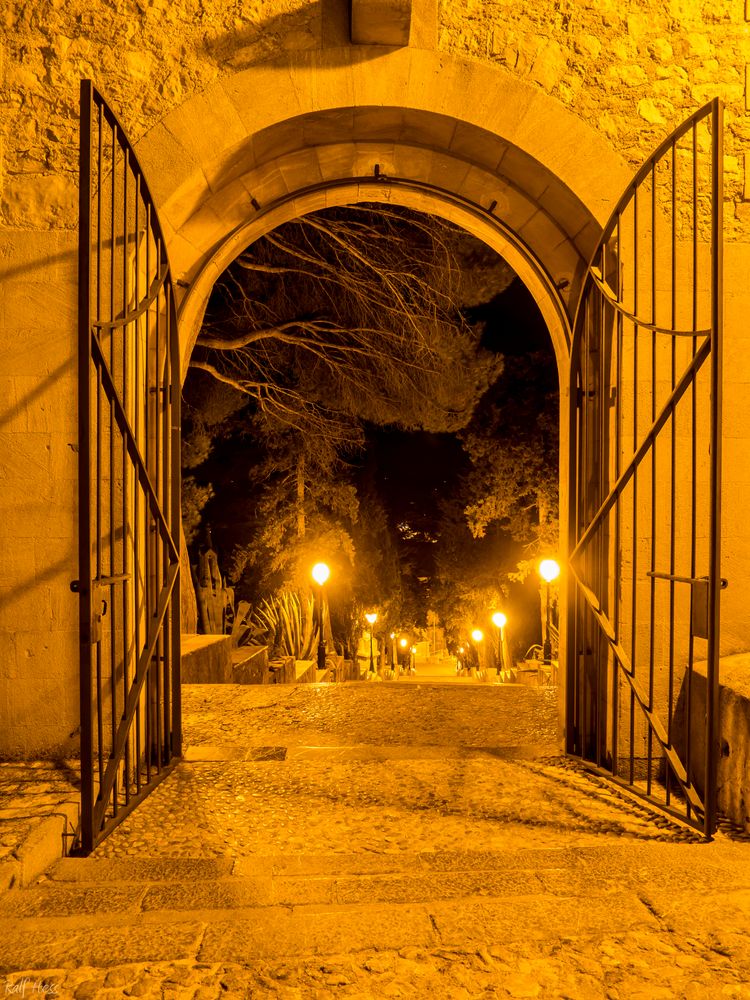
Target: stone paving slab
[
  {"x": 406, "y": 861},
  {"x": 29, "y": 948},
  {"x": 139, "y": 869},
  {"x": 721, "y": 922},
  {"x": 222, "y": 895},
  {"x": 318, "y": 931},
  {"x": 50, "y": 898},
  {"x": 366, "y": 753}
]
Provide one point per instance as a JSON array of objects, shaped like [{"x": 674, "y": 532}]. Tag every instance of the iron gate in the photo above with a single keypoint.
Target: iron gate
[
  {"x": 129, "y": 503},
  {"x": 645, "y": 425}
]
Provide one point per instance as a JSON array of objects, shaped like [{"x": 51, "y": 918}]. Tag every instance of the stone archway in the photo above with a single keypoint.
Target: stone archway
[
  {"x": 473, "y": 132},
  {"x": 428, "y": 131}
]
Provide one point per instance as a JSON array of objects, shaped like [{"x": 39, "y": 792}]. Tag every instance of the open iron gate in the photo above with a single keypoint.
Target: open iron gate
[
  {"x": 645, "y": 428},
  {"x": 129, "y": 517}
]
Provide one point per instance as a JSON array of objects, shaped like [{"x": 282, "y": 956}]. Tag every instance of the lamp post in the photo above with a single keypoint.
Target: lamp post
[
  {"x": 477, "y": 636},
  {"x": 499, "y": 621},
  {"x": 413, "y": 660},
  {"x": 549, "y": 570},
  {"x": 320, "y": 573},
  {"x": 403, "y": 643},
  {"x": 393, "y": 651},
  {"x": 371, "y": 619}
]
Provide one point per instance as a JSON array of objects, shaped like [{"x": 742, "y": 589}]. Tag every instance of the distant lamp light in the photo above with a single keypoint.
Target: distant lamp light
[
  {"x": 477, "y": 635},
  {"x": 403, "y": 643},
  {"x": 549, "y": 570},
  {"x": 371, "y": 618},
  {"x": 320, "y": 573},
  {"x": 499, "y": 620}
]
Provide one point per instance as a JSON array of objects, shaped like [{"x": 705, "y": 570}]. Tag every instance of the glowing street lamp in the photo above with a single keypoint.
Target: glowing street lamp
[
  {"x": 549, "y": 570},
  {"x": 371, "y": 619},
  {"x": 477, "y": 636},
  {"x": 403, "y": 643},
  {"x": 320, "y": 573},
  {"x": 499, "y": 620}
]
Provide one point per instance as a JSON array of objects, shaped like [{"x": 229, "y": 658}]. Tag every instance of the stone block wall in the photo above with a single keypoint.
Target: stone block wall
[{"x": 633, "y": 70}]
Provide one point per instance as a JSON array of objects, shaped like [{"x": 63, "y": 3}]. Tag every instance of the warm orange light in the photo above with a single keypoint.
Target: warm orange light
[
  {"x": 477, "y": 635},
  {"x": 371, "y": 617},
  {"x": 403, "y": 643},
  {"x": 499, "y": 619},
  {"x": 320, "y": 573},
  {"x": 393, "y": 635},
  {"x": 549, "y": 570}
]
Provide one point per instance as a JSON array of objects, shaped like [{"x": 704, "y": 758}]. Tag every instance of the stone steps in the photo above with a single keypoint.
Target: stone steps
[
  {"x": 104, "y": 912},
  {"x": 282, "y": 932}
]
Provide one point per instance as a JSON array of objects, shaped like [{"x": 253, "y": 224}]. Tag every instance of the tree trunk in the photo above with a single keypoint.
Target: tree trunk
[{"x": 301, "y": 497}]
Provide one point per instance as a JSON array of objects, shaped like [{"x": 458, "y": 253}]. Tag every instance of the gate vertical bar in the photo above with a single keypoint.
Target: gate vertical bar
[
  {"x": 717, "y": 320},
  {"x": 84, "y": 466}
]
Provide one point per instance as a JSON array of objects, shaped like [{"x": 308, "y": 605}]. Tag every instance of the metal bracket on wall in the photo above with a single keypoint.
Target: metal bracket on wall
[{"x": 698, "y": 599}]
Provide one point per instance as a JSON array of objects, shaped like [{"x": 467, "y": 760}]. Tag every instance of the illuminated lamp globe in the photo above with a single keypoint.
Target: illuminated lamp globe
[
  {"x": 393, "y": 635},
  {"x": 499, "y": 619},
  {"x": 477, "y": 635},
  {"x": 371, "y": 618},
  {"x": 549, "y": 570},
  {"x": 320, "y": 573},
  {"x": 403, "y": 643}
]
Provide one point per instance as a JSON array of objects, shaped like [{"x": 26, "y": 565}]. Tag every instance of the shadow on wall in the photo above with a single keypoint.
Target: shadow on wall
[
  {"x": 325, "y": 24},
  {"x": 44, "y": 386}
]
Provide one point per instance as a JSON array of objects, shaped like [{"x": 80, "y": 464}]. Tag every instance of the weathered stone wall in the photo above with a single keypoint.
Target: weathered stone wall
[
  {"x": 147, "y": 57},
  {"x": 633, "y": 70}
]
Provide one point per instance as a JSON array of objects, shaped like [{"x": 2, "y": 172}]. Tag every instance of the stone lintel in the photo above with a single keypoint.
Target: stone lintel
[{"x": 380, "y": 22}]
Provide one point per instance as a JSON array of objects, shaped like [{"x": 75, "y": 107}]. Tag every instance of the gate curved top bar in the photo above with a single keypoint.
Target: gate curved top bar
[
  {"x": 708, "y": 110},
  {"x": 90, "y": 94}
]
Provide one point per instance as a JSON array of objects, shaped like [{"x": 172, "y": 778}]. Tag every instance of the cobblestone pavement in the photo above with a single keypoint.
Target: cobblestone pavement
[
  {"x": 352, "y": 713},
  {"x": 374, "y": 841}
]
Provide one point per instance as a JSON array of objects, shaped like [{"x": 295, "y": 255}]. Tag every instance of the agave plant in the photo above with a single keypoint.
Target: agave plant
[{"x": 285, "y": 624}]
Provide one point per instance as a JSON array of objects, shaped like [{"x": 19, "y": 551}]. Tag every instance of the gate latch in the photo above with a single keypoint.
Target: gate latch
[
  {"x": 99, "y": 603},
  {"x": 698, "y": 599}
]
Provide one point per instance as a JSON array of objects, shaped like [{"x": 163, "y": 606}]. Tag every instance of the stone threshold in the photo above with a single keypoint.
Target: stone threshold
[{"x": 360, "y": 752}]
